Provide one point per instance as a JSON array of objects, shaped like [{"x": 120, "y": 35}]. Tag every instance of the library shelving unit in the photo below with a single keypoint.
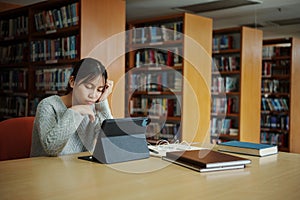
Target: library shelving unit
[
  {"x": 168, "y": 67},
  {"x": 236, "y": 73},
  {"x": 14, "y": 62},
  {"x": 40, "y": 42},
  {"x": 280, "y": 93}
]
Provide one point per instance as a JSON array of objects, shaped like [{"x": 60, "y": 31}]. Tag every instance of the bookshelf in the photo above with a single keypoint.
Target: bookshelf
[
  {"x": 14, "y": 64},
  {"x": 168, "y": 76},
  {"x": 39, "y": 44},
  {"x": 236, "y": 85},
  {"x": 279, "y": 93}
]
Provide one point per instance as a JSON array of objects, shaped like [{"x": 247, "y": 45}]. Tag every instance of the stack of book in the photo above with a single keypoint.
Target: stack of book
[{"x": 206, "y": 160}]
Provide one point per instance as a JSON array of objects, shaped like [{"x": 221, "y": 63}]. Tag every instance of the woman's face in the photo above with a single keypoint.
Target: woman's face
[{"x": 88, "y": 92}]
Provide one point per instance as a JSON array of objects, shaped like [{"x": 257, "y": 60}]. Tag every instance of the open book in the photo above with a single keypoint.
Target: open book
[{"x": 160, "y": 150}]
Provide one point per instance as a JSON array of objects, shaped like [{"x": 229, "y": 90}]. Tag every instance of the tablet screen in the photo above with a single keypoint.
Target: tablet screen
[{"x": 125, "y": 126}]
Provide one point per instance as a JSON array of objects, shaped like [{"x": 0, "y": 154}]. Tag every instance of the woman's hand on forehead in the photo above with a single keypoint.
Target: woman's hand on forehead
[{"x": 107, "y": 91}]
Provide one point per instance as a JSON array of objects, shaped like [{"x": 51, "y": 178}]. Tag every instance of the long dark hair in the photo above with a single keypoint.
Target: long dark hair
[{"x": 87, "y": 69}]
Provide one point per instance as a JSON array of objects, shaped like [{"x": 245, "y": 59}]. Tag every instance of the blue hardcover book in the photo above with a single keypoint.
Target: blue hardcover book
[{"x": 248, "y": 148}]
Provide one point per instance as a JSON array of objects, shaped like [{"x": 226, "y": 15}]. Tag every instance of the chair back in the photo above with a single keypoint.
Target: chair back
[{"x": 15, "y": 138}]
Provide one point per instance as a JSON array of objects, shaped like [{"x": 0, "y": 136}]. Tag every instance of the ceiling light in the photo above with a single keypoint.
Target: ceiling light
[
  {"x": 217, "y": 5},
  {"x": 287, "y": 21}
]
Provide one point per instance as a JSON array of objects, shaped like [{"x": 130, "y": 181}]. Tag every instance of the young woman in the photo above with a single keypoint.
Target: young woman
[{"x": 70, "y": 124}]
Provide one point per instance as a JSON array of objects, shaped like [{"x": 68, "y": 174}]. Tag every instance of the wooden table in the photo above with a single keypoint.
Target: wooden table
[{"x": 273, "y": 177}]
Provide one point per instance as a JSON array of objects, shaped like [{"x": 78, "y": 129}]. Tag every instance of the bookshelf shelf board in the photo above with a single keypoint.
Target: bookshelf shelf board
[
  {"x": 162, "y": 44},
  {"x": 65, "y": 30},
  {"x": 235, "y": 72},
  {"x": 268, "y": 112},
  {"x": 149, "y": 69},
  {"x": 277, "y": 130},
  {"x": 167, "y": 119},
  {"x": 223, "y": 115},
  {"x": 227, "y": 51},
  {"x": 155, "y": 93},
  {"x": 56, "y": 32},
  {"x": 13, "y": 39},
  {"x": 21, "y": 93},
  {"x": 223, "y": 94},
  {"x": 54, "y": 62},
  {"x": 280, "y": 76},
  {"x": 21, "y": 65},
  {"x": 225, "y": 137},
  {"x": 273, "y": 94}
]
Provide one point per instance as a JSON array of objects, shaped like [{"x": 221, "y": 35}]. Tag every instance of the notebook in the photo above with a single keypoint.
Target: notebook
[
  {"x": 203, "y": 169},
  {"x": 120, "y": 140},
  {"x": 206, "y": 160}
]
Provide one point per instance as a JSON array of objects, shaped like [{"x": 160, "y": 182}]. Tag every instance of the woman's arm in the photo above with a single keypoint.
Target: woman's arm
[
  {"x": 88, "y": 131},
  {"x": 55, "y": 125},
  {"x": 103, "y": 110}
]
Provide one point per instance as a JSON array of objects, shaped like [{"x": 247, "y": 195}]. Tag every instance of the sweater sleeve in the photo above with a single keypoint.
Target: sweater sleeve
[
  {"x": 88, "y": 131},
  {"x": 55, "y": 125},
  {"x": 103, "y": 110}
]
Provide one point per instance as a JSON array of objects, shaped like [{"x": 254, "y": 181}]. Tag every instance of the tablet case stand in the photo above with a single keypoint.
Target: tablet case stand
[{"x": 122, "y": 140}]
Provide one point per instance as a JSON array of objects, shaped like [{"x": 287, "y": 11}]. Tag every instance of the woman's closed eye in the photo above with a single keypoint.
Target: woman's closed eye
[
  {"x": 89, "y": 86},
  {"x": 101, "y": 89}
]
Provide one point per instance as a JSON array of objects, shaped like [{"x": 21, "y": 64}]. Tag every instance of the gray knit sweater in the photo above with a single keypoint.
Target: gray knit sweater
[{"x": 58, "y": 130}]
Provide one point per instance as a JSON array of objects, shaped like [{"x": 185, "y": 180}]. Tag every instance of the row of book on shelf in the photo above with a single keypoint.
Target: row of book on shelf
[
  {"x": 225, "y": 84},
  {"x": 226, "y": 41},
  {"x": 163, "y": 131},
  {"x": 158, "y": 57},
  {"x": 226, "y": 63},
  {"x": 169, "y": 80},
  {"x": 45, "y": 78},
  {"x": 14, "y": 79},
  {"x": 53, "y": 49},
  {"x": 280, "y": 67},
  {"x": 169, "y": 31},
  {"x": 52, "y": 79},
  {"x": 155, "y": 106},
  {"x": 14, "y": 53},
  {"x": 57, "y": 18},
  {"x": 274, "y": 138},
  {"x": 226, "y": 126},
  {"x": 275, "y": 104},
  {"x": 33, "y": 103},
  {"x": 13, "y": 27},
  {"x": 269, "y": 52},
  {"x": 275, "y": 86},
  {"x": 225, "y": 105},
  {"x": 16, "y": 106},
  {"x": 41, "y": 50},
  {"x": 275, "y": 121}
]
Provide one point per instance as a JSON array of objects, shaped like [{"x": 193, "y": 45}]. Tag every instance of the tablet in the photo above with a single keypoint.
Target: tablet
[
  {"x": 120, "y": 140},
  {"x": 124, "y": 126}
]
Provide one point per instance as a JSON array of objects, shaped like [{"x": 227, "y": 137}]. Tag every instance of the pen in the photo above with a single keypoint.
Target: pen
[{"x": 153, "y": 151}]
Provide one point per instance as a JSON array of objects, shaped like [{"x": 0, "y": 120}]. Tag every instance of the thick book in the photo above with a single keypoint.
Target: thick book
[
  {"x": 248, "y": 148},
  {"x": 205, "y": 159},
  {"x": 201, "y": 169}
]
